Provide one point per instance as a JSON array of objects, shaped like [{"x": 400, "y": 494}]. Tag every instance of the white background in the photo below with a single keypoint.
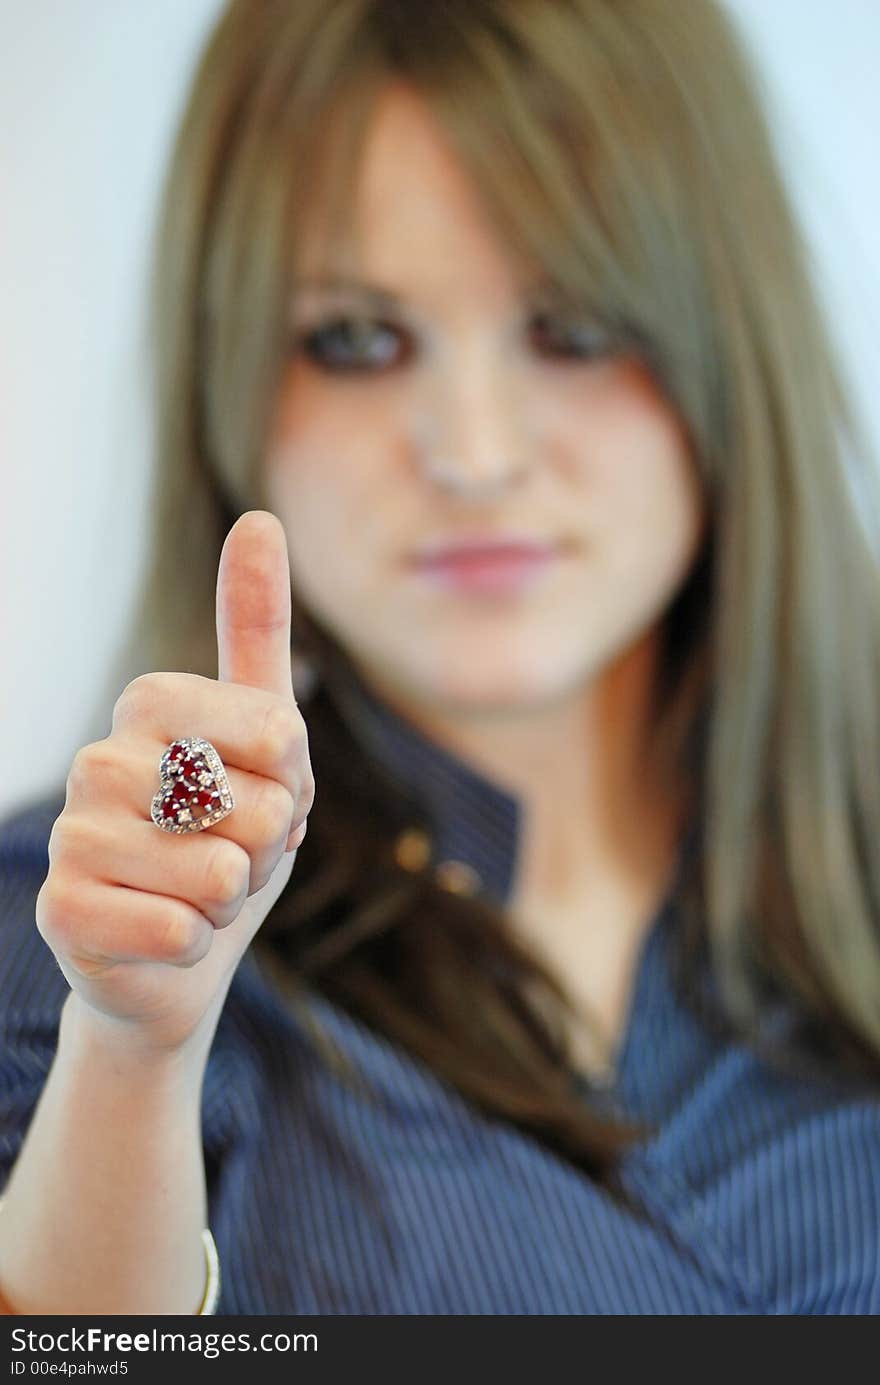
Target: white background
[{"x": 89, "y": 94}]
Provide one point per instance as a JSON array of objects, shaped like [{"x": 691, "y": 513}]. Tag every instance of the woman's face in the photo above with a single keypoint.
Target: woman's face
[{"x": 462, "y": 409}]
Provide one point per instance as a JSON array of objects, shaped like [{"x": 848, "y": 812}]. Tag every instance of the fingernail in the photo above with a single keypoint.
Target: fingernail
[{"x": 298, "y": 831}]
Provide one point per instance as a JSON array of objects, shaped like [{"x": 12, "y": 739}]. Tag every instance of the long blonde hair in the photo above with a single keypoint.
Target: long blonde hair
[{"x": 621, "y": 146}]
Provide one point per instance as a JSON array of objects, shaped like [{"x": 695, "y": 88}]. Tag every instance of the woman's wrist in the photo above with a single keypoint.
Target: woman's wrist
[{"x": 121, "y": 1044}]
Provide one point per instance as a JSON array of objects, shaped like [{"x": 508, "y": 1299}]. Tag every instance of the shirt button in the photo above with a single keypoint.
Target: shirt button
[
  {"x": 458, "y": 877},
  {"x": 412, "y": 849}
]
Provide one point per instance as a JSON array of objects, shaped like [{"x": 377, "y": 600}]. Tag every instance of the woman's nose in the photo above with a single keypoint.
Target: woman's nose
[{"x": 470, "y": 433}]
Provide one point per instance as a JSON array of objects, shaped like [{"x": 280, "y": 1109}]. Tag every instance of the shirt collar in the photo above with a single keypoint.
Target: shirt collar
[{"x": 475, "y": 824}]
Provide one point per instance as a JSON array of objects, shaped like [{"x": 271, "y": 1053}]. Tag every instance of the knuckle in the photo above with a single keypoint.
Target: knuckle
[
  {"x": 180, "y": 934},
  {"x": 282, "y": 732},
  {"x": 58, "y": 838},
  {"x": 46, "y": 910},
  {"x": 227, "y": 873},
  {"x": 141, "y": 699},
  {"x": 135, "y": 699},
  {"x": 66, "y": 838},
  {"x": 91, "y": 764},
  {"x": 273, "y": 810},
  {"x": 56, "y": 912}
]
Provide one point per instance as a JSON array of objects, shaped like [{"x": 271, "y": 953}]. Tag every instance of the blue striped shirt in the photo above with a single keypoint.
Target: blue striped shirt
[{"x": 757, "y": 1193}]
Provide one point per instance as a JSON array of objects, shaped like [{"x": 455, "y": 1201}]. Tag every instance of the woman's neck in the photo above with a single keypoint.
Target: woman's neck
[
  {"x": 578, "y": 766},
  {"x": 599, "y": 836}
]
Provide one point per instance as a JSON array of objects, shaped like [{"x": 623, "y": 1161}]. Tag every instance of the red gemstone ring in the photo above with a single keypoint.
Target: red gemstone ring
[{"x": 194, "y": 791}]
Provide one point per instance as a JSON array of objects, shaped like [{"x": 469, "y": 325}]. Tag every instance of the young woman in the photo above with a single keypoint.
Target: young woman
[{"x": 532, "y": 964}]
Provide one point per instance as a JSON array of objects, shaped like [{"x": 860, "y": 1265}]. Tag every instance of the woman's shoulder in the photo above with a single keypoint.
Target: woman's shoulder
[{"x": 780, "y": 1169}]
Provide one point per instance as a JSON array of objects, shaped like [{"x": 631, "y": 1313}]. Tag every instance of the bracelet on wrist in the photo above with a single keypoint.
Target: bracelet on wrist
[{"x": 211, "y": 1295}]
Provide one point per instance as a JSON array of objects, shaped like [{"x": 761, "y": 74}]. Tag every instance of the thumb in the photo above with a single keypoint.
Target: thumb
[{"x": 253, "y": 605}]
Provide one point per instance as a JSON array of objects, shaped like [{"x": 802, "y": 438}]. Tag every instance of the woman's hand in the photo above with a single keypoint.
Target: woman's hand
[{"x": 148, "y": 927}]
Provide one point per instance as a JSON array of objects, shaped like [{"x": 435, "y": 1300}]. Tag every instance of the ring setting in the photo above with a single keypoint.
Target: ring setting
[{"x": 194, "y": 792}]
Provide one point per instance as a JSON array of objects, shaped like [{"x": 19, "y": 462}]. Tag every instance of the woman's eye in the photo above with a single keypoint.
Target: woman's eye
[
  {"x": 576, "y": 339},
  {"x": 350, "y": 344}
]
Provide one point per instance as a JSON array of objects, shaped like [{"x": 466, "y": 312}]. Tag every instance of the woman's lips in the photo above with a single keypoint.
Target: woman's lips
[{"x": 496, "y": 567}]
